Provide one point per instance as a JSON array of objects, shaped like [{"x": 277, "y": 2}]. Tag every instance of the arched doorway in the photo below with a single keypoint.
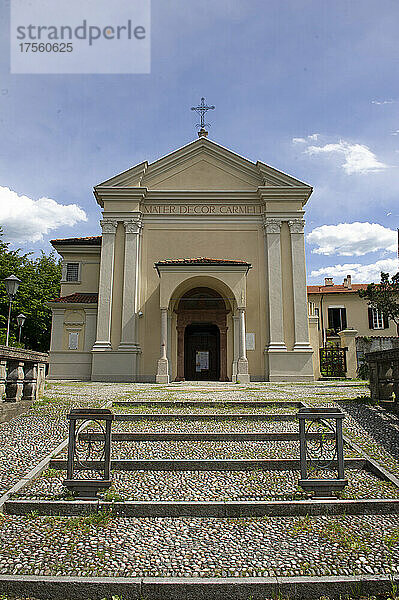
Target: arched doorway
[{"x": 201, "y": 336}]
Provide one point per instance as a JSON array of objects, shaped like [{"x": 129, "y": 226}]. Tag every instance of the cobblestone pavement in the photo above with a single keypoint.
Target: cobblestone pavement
[{"x": 105, "y": 545}]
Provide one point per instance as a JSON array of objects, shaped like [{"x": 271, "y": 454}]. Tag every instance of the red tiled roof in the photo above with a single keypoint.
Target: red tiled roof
[
  {"x": 202, "y": 261},
  {"x": 334, "y": 289},
  {"x": 82, "y": 298},
  {"x": 94, "y": 240}
]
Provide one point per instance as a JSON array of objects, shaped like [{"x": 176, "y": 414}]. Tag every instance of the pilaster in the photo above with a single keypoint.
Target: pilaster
[
  {"x": 103, "y": 341},
  {"x": 272, "y": 229},
  {"x": 301, "y": 324},
  {"x": 133, "y": 228}
]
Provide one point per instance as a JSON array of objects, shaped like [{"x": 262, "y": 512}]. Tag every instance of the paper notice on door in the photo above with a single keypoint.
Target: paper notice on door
[{"x": 201, "y": 360}]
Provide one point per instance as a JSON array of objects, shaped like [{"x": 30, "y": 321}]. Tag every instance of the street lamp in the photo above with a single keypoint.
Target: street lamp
[
  {"x": 20, "y": 320},
  {"x": 12, "y": 285}
]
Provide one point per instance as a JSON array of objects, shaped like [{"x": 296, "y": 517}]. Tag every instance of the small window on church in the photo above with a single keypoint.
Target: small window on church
[{"x": 72, "y": 272}]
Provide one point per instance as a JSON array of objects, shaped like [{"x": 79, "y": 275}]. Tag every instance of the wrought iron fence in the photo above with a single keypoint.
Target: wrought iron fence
[{"x": 332, "y": 361}]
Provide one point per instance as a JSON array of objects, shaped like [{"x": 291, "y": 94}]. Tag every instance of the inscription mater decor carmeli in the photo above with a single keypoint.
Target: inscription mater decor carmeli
[{"x": 201, "y": 209}]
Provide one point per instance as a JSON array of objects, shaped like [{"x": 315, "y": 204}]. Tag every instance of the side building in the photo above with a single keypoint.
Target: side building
[{"x": 339, "y": 307}]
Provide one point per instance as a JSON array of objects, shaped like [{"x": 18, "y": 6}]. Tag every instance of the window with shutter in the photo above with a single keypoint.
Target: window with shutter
[
  {"x": 376, "y": 319},
  {"x": 337, "y": 318},
  {"x": 72, "y": 272}
]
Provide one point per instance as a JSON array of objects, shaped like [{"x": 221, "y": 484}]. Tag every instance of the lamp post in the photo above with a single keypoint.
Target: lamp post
[
  {"x": 12, "y": 285},
  {"x": 20, "y": 320}
]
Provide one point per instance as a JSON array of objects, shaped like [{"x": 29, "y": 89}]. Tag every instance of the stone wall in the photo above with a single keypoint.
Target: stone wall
[{"x": 365, "y": 344}]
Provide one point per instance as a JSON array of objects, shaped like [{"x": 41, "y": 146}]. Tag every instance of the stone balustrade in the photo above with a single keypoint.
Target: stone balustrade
[
  {"x": 22, "y": 374},
  {"x": 384, "y": 375}
]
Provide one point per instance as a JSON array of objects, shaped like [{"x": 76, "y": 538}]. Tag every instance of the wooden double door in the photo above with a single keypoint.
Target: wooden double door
[
  {"x": 201, "y": 345},
  {"x": 202, "y": 352}
]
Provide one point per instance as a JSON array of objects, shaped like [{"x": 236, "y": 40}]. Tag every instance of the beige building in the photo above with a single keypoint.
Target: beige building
[
  {"x": 339, "y": 307},
  {"x": 341, "y": 319},
  {"x": 141, "y": 303}
]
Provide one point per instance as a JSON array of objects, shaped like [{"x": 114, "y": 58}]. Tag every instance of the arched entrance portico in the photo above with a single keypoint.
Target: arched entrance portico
[
  {"x": 199, "y": 291},
  {"x": 201, "y": 336}
]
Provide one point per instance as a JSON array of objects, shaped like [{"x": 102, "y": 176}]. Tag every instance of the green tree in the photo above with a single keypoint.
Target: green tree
[
  {"x": 40, "y": 282},
  {"x": 384, "y": 296}
]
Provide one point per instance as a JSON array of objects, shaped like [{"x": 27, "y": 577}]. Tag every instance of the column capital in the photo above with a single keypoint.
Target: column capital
[
  {"x": 109, "y": 225},
  {"x": 296, "y": 225},
  {"x": 272, "y": 225},
  {"x": 134, "y": 225}
]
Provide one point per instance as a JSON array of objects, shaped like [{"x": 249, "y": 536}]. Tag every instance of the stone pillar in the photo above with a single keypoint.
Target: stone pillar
[
  {"x": 3, "y": 376},
  {"x": 180, "y": 352},
  {"x": 15, "y": 381},
  {"x": 348, "y": 340},
  {"x": 103, "y": 341},
  {"x": 129, "y": 341},
  {"x": 163, "y": 364},
  {"x": 223, "y": 353},
  {"x": 41, "y": 379},
  {"x": 30, "y": 381},
  {"x": 242, "y": 364},
  {"x": 314, "y": 340},
  {"x": 236, "y": 326},
  {"x": 301, "y": 325},
  {"x": 272, "y": 229}
]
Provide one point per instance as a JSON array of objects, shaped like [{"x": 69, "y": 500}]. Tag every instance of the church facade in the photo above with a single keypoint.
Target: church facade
[{"x": 199, "y": 274}]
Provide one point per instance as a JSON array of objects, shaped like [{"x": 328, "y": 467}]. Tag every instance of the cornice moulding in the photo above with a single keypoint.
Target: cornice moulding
[
  {"x": 118, "y": 193},
  {"x": 186, "y": 196},
  {"x": 202, "y": 268},
  {"x": 61, "y": 306},
  {"x": 74, "y": 248},
  {"x": 285, "y": 193}
]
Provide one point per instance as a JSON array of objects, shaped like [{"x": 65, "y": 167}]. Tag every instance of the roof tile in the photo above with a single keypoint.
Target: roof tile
[
  {"x": 335, "y": 289},
  {"x": 78, "y": 297},
  {"x": 93, "y": 240},
  {"x": 202, "y": 261}
]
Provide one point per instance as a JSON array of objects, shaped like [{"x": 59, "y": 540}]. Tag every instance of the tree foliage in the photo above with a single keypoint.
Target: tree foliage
[
  {"x": 384, "y": 296},
  {"x": 40, "y": 282}
]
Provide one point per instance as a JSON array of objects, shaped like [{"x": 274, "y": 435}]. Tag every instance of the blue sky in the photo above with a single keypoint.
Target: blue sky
[{"x": 307, "y": 86}]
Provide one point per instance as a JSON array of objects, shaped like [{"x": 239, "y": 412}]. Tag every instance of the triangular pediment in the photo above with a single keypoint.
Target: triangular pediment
[{"x": 202, "y": 165}]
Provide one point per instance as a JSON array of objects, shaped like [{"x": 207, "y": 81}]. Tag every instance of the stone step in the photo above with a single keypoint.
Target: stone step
[
  {"x": 212, "y": 403},
  {"x": 205, "y": 417},
  {"x": 143, "y": 436},
  {"x": 278, "y": 508},
  {"x": 276, "y": 464}
]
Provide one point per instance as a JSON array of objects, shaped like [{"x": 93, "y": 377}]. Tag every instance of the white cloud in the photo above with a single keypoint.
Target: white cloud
[
  {"x": 396, "y": 132},
  {"x": 300, "y": 140},
  {"x": 352, "y": 239},
  {"x": 24, "y": 219},
  {"x": 358, "y": 157},
  {"x": 360, "y": 273},
  {"x": 379, "y": 102}
]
